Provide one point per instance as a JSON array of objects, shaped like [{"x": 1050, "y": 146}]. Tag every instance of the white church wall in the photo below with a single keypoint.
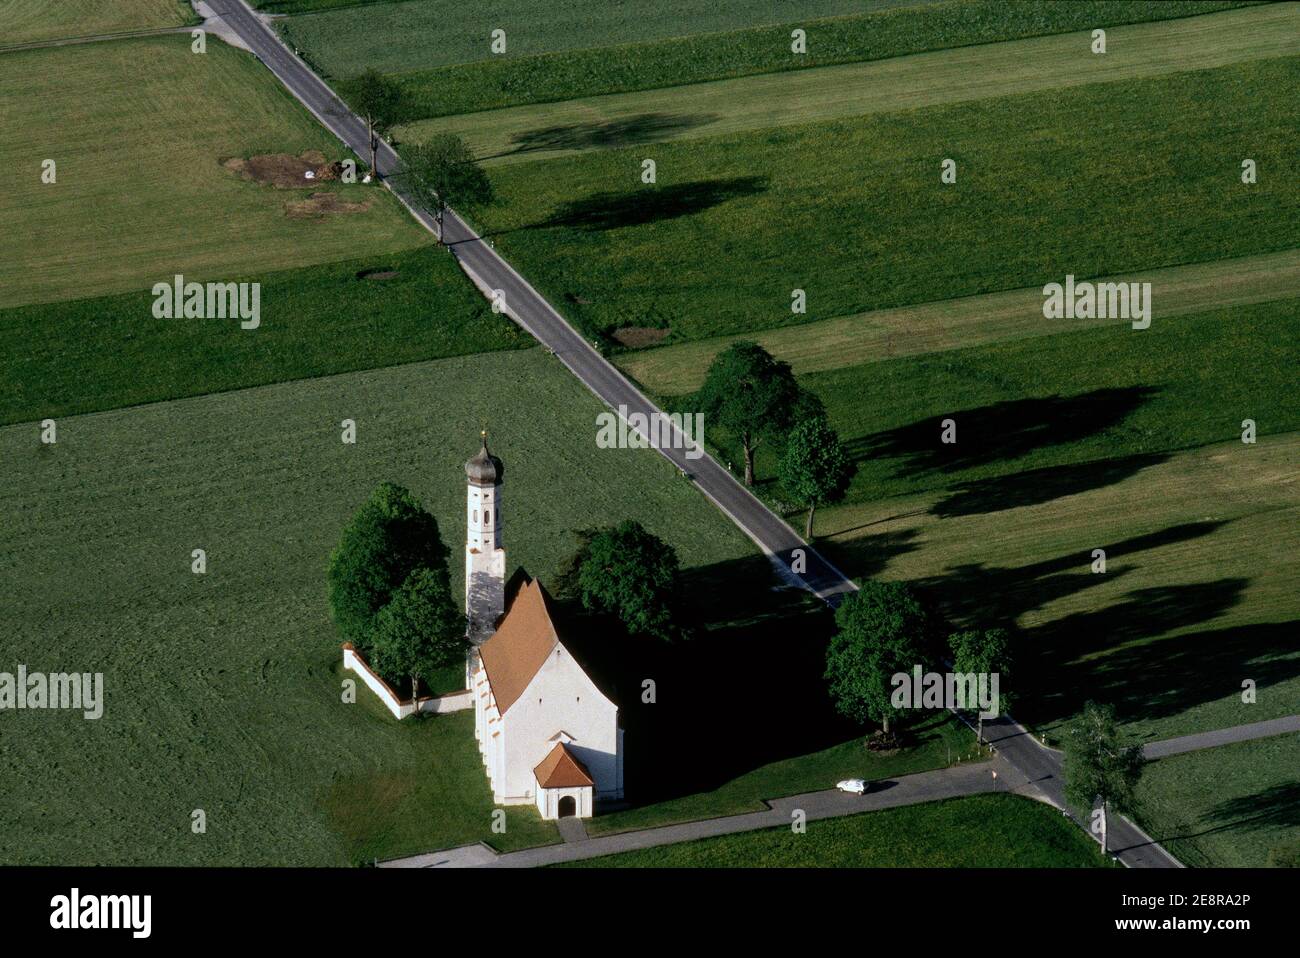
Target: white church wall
[
  {"x": 548, "y": 801},
  {"x": 569, "y": 702},
  {"x": 354, "y": 661}
]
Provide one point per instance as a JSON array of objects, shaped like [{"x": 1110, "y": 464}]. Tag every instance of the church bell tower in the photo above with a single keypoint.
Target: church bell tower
[{"x": 485, "y": 558}]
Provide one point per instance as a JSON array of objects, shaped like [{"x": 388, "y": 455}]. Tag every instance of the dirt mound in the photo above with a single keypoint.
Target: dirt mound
[
  {"x": 639, "y": 337},
  {"x": 285, "y": 171},
  {"x": 321, "y": 204}
]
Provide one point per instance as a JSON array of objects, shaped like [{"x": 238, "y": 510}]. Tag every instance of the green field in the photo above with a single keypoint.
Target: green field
[
  {"x": 28, "y": 21},
  {"x": 104, "y": 353},
  {"x": 970, "y": 321},
  {"x": 939, "y": 78},
  {"x": 719, "y": 243},
  {"x": 1226, "y": 806},
  {"x": 138, "y": 129},
  {"x": 983, "y": 831},
  {"x": 1031, "y": 405},
  {"x": 1137, "y": 451},
  {"x": 821, "y": 173},
  {"x": 395, "y": 37},
  {"x": 1198, "y": 593},
  {"x": 222, "y": 690},
  {"x": 590, "y": 61}
]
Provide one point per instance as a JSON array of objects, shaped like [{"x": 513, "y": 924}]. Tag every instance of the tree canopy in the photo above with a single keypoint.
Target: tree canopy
[
  {"x": 1098, "y": 766},
  {"x": 984, "y": 651},
  {"x": 627, "y": 571},
  {"x": 882, "y": 629},
  {"x": 753, "y": 396},
  {"x": 442, "y": 173},
  {"x": 420, "y": 630},
  {"x": 388, "y": 538},
  {"x": 379, "y": 100},
  {"x": 814, "y": 468}
]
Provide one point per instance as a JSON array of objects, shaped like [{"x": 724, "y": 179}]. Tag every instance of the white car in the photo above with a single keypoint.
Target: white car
[{"x": 855, "y": 785}]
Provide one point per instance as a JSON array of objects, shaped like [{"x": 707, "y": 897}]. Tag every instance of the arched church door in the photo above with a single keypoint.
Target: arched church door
[{"x": 568, "y": 807}]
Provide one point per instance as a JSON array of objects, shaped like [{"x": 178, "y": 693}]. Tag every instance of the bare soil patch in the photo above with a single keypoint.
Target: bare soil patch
[
  {"x": 321, "y": 204},
  {"x": 639, "y": 337},
  {"x": 377, "y": 274},
  {"x": 285, "y": 171}
]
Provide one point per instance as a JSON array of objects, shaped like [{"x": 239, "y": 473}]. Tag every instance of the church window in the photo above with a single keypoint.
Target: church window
[{"x": 476, "y": 515}]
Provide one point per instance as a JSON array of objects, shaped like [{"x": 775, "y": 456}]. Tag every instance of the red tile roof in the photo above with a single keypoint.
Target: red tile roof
[
  {"x": 520, "y": 646},
  {"x": 562, "y": 769}
]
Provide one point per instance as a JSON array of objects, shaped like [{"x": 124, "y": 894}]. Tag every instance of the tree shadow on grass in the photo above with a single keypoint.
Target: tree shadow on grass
[
  {"x": 747, "y": 690},
  {"x": 1277, "y": 806},
  {"x": 607, "y": 211},
  {"x": 1126, "y": 655},
  {"x": 1037, "y": 486},
  {"x": 1002, "y": 431},
  {"x": 605, "y": 134},
  {"x": 1144, "y": 614},
  {"x": 974, "y": 594},
  {"x": 863, "y": 557}
]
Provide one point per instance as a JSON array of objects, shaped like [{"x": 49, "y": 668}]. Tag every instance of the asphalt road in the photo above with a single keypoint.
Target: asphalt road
[
  {"x": 1041, "y": 766},
  {"x": 1223, "y": 736},
  {"x": 955, "y": 782},
  {"x": 536, "y": 315}
]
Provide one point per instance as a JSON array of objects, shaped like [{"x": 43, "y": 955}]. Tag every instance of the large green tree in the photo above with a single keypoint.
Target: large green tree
[
  {"x": 814, "y": 467},
  {"x": 420, "y": 630},
  {"x": 378, "y": 99},
  {"x": 390, "y": 536},
  {"x": 984, "y": 651},
  {"x": 882, "y": 629},
  {"x": 633, "y": 574},
  {"x": 752, "y": 396},
  {"x": 1100, "y": 770},
  {"x": 441, "y": 173}
]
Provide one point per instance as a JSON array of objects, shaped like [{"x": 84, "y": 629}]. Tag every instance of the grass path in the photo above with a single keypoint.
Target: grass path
[
  {"x": 1199, "y": 591},
  {"x": 969, "y": 321},
  {"x": 927, "y": 79}
]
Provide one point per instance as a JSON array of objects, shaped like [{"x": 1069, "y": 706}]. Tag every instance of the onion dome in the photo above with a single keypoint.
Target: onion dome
[{"x": 485, "y": 469}]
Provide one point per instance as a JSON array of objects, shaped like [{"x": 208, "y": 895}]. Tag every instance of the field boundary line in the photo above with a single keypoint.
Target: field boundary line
[{"x": 96, "y": 38}]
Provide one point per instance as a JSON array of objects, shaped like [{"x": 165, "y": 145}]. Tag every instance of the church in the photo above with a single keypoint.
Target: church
[{"x": 548, "y": 736}]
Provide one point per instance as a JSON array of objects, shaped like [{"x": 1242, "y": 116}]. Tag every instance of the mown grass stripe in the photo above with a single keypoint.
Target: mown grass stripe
[
  {"x": 527, "y": 133},
  {"x": 970, "y": 321}
]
